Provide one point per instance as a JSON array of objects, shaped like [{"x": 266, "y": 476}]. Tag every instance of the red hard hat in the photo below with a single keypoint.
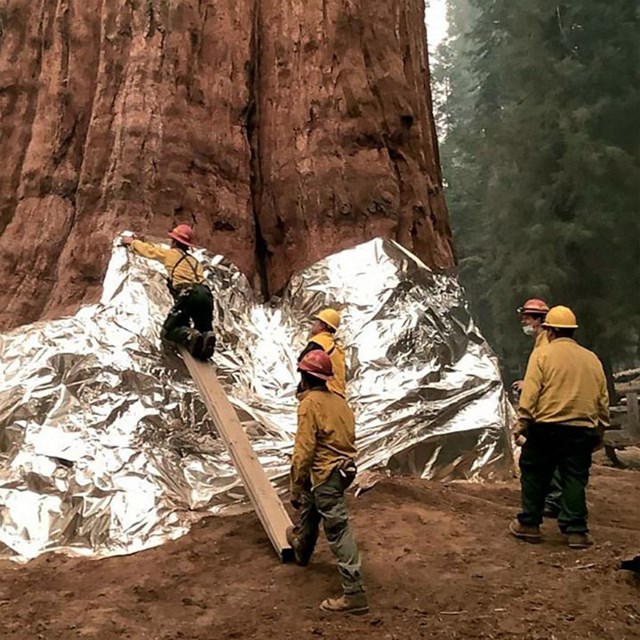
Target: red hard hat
[
  {"x": 534, "y": 307},
  {"x": 183, "y": 233},
  {"x": 316, "y": 363}
]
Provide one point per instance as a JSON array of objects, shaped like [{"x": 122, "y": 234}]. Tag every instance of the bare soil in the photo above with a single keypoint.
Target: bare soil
[{"x": 437, "y": 559}]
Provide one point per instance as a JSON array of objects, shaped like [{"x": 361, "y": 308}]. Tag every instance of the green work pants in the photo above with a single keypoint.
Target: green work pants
[
  {"x": 553, "y": 501},
  {"x": 556, "y": 446},
  {"x": 193, "y": 303},
  {"x": 326, "y": 503}
]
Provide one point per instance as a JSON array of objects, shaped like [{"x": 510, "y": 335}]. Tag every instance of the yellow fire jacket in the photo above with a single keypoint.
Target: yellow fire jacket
[
  {"x": 541, "y": 339},
  {"x": 325, "y": 439},
  {"x": 182, "y": 268},
  {"x": 564, "y": 384},
  {"x": 326, "y": 340}
]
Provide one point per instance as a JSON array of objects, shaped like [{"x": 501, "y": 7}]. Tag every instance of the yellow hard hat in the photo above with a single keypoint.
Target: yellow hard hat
[
  {"x": 560, "y": 318},
  {"x": 330, "y": 317}
]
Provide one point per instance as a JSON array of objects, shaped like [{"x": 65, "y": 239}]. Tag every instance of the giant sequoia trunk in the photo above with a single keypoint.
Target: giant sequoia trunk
[{"x": 284, "y": 129}]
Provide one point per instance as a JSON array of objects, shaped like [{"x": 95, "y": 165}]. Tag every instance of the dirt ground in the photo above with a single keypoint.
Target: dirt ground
[{"x": 437, "y": 559}]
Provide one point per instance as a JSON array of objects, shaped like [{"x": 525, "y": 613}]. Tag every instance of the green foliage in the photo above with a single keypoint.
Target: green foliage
[{"x": 540, "y": 122}]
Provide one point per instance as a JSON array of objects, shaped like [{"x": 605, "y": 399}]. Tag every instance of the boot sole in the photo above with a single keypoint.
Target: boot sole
[
  {"x": 196, "y": 347},
  {"x": 580, "y": 545},
  {"x": 208, "y": 347},
  {"x": 575, "y": 544},
  {"x": 360, "y": 611}
]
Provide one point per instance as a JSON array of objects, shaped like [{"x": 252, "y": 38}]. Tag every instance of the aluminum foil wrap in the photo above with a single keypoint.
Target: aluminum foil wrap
[{"x": 106, "y": 447}]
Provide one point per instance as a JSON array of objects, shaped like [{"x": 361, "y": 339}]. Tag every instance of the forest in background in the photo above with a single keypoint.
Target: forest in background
[{"x": 538, "y": 109}]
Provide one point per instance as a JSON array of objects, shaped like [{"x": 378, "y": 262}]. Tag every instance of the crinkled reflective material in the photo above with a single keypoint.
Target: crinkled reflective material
[{"x": 106, "y": 448}]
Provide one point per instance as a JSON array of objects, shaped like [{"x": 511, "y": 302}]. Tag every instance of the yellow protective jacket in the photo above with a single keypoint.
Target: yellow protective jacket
[
  {"x": 182, "y": 268},
  {"x": 325, "y": 439},
  {"x": 564, "y": 384},
  {"x": 541, "y": 339},
  {"x": 326, "y": 340}
]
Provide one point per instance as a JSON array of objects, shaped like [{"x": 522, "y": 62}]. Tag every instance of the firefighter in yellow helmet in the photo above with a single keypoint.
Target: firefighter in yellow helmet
[
  {"x": 322, "y": 337},
  {"x": 564, "y": 408}
]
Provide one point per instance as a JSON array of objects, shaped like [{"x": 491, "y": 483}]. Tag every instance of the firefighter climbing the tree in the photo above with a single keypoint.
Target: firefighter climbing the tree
[
  {"x": 322, "y": 468},
  {"x": 193, "y": 301},
  {"x": 323, "y": 338}
]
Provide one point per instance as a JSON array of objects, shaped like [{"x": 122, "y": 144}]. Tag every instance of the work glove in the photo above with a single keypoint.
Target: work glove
[{"x": 516, "y": 387}]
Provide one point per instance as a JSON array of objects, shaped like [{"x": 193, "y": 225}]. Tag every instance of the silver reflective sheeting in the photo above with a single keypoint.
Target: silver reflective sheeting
[{"x": 106, "y": 448}]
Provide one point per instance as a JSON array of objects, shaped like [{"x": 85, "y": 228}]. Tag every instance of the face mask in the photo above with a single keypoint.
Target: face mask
[{"x": 529, "y": 330}]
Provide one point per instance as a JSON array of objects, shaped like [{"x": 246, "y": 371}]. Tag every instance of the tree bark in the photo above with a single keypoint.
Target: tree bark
[{"x": 283, "y": 131}]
